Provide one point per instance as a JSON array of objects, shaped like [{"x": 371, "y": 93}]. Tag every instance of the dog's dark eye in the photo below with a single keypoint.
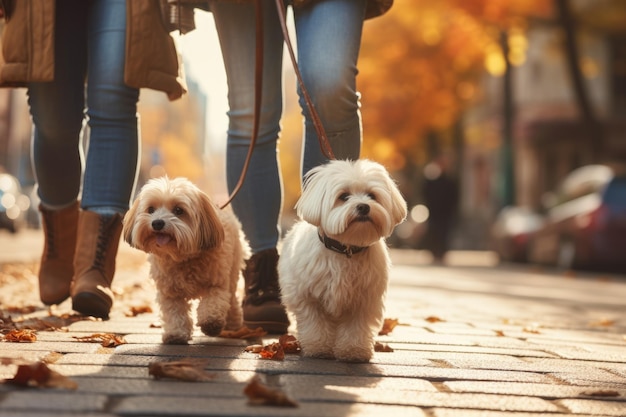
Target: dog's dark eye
[
  {"x": 344, "y": 197},
  {"x": 150, "y": 210},
  {"x": 372, "y": 196},
  {"x": 178, "y": 211}
]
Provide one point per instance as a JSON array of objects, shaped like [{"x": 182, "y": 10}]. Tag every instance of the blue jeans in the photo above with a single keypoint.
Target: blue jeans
[
  {"x": 328, "y": 41},
  {"x": 90, "y": 41}
]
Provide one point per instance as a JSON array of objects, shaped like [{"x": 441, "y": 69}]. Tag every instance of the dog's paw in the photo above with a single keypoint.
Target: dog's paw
[
  {"x": 212, "y": 328},
  {"x": 175, "y": 339}
]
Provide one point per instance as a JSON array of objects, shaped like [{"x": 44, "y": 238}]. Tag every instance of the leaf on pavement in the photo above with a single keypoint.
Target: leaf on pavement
[
  {"x": 21, "y": 336},
  {"x": 260, "y": 394},
  {"x": 273, "y": 351},
  {"x": 37, "y": 374},
  {"x": 134, "y": 311},
  {"x": 388, "y": 326},
  {"x": 243, "y": 333},
  {"x": 433, "y": 319},
  {"x": 289, "y": 343},
  {"x": 189, "y": 370},
  {"x": 105, "y": 339},
  {"x": 382, "y": 347}
]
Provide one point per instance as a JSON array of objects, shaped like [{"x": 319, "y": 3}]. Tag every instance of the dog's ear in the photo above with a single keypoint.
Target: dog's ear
[
  {"x": 211, "y": 230},
  {"x": 129, "y": 223},
  {"x": 309, "y": 205},
  {"x": 398, "y": 203}
]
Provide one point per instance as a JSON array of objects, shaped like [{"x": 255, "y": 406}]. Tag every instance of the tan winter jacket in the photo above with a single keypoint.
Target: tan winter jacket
[{"x": 28, "y": 47}]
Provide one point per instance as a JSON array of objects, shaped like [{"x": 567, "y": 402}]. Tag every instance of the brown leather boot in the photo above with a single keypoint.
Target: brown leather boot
[
  {"x": 57, "y": 268},
  {"x": 261, "y": 303},
  {"x": 94, "y": 263}
]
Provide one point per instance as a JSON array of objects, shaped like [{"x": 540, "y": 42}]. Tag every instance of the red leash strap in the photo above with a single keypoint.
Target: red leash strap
[
  {"x": 319, "y": 128},
  {"x": 258, "y": 92}
]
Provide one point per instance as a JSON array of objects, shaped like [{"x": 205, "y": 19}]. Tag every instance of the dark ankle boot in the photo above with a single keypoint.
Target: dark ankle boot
[
  {"x": 57, "y": 268},
  {"x": 261, "y": 304},
  {"x": 94, "y": 263}
]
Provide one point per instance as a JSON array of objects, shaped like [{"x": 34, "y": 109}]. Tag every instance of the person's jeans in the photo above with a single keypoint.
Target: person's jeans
[
  {"x": 90, "y": 38},
  {"x": 328, "y": 41}
]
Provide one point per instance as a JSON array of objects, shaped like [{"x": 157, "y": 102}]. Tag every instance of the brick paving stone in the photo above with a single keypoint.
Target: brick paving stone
[
  {"x": 595, "y": 407},
  {"x": 49, "y": 400},
  {"x": 472, "y": 341},
  {"x": 527, "y": 389}
]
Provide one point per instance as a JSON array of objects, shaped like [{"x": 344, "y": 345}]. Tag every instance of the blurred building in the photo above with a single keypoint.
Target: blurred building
[{"x": 549, "y": 136}]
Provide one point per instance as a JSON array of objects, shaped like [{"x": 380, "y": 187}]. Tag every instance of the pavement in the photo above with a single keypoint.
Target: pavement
[{"x": 474, "y": 338}]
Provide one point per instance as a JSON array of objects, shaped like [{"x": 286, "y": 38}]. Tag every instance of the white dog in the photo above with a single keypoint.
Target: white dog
[
  {"x": 334, "y": 262},
  {"x": 197, "y": 251}
]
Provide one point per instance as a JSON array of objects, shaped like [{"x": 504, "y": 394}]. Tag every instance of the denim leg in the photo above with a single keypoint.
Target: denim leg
[
  {"x": 113, "y": 150},
  {"x": 329, "y": 39},
  {"x": 57, "y": 110},
  {"x": 258, "y": 203}
]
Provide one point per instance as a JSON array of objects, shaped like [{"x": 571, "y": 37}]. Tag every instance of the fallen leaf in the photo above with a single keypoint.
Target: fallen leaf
[
  {"x": 499, "y": 333},
  {"x": 531, "y": 329},
  {"x": 105, "y": 339},
  {"x": 21, "y": 336},
  {"x": 137, "y": 310},
  {"x": 289, "y": 343},
  {"x": 273, "y": 351},
  {"x": 604, "y": 322},
  {"x": 382, "y": 347},
  {"x": 21, "y": 309},
  {"x": 37, "y": 374},
  {"x": 243, "y": 333},
  {"x": 433, "y": 319},
  {"x": 388, "y": 326},
  {"x": 184, "y": 370},
  {"x": 260, "y": 394},
  {"x": 254, "y": 348}
]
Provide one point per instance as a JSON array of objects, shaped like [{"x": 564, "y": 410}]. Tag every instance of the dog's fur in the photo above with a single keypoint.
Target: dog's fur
[
  {"x": 197, "y": 251},
  {"x": 338, "y": 298}
]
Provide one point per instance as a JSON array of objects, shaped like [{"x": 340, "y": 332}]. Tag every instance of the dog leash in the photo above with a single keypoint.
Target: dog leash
[
  {"x": 325, "y": 147},
  {"x": 327, "y": 150},
  {"x": 258, "y": 93}
]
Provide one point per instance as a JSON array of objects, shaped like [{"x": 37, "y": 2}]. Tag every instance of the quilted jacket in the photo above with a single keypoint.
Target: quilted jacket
[{"x": 28, "y": 46}]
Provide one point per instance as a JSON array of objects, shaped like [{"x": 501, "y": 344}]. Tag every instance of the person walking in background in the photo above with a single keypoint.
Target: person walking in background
[
  {"x": 440, "y": 192},
  {"x": 328, "y": 42},
  {"x": 86, "y": 61}
]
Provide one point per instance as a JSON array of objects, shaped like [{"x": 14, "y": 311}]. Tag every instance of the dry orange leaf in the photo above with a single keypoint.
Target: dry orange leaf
[
  {"x": 184, "y": 370},
  {"x": 499, "y": 333},
  {"x": 254, "y": 348},
  {"x": 21, "y": 336},
  {"x": 388, "y": 326},
  {"x": 273, "y": 351},
  {"x": 531, "y": 329},
  {"x": 289, "y": 343},
  {"x": 382, "y": 347},
  {"x": 260, "y": 394},
  {"x": 243, "y": 333},
  {"x": 38, "y": 374},
  {"x": 137, "y": 310},
  {"x": 105, "y": 339},
  {"x": 433, "y": 319}
]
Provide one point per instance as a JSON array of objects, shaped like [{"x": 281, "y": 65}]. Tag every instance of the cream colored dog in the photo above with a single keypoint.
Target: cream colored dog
[
  {"x": 197, "y": 251},
  {"x": 334, "y": 263}
]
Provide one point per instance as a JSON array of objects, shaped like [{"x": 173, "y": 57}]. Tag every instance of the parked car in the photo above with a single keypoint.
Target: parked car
[
  {"x": 585, "y": 222},
  {"x": 13, "y": 204},
  {"x": 512, "y": 230}
]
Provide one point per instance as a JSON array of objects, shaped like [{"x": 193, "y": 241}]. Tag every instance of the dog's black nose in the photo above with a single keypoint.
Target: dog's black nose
[
  {"x": 362, "y": 209},
  {"x": 158, "y": 224}
]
